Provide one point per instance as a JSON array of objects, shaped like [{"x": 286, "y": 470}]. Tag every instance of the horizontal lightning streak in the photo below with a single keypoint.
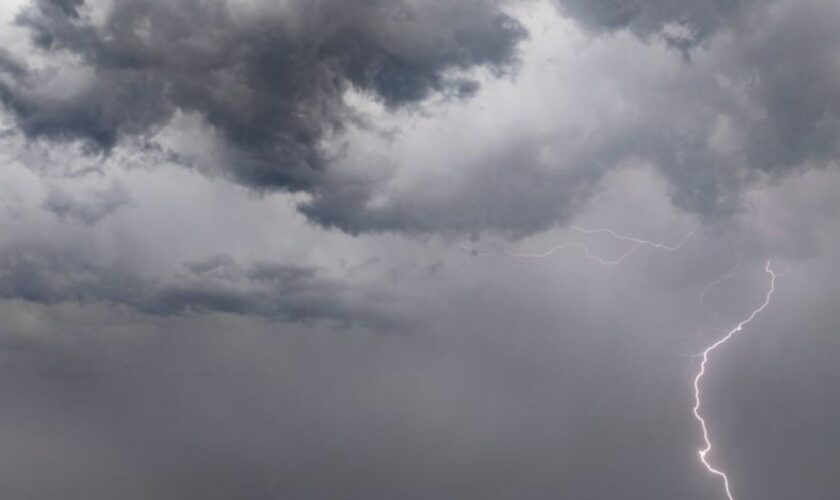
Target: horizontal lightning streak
[
  {"x": 699, "y": 377},
  {"x": 636, "y": 244}
]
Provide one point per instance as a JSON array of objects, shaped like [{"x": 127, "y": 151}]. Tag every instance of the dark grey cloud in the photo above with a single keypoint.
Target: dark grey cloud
[
  {"x": 774, "y": 99},
  {"x": 89, "y": 207},
  {"x": 795, "y": 83},
  {"x": 681, "y": 23},
  {"x": 777, "y": 58},
  {"x": 758, "y": 100},
  {"x": 47, "y": 274},
  {"x": 270, "y": 80}
]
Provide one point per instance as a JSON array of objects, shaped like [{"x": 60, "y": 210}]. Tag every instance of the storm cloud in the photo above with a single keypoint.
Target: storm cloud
[
  {"x": 265, "y": 89},
  {"x": 417, "y": 249},
  {"x": 268, "y": 78},
  {"x": 732, "y": 114}
]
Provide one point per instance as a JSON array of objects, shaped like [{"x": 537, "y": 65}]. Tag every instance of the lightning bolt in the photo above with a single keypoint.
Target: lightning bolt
[
  {"x": 702, "y": 371},
  {"x": 636, "y": 243}
]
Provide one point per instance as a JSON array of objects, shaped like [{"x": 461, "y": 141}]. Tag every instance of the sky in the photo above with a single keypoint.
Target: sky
[{"x": 381, "y": 249}]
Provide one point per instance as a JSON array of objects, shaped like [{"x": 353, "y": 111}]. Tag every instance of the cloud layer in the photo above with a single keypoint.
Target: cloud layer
[{"x": 716, "y": 104}]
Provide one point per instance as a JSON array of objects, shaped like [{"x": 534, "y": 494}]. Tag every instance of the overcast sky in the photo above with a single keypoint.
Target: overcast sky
[{"x": 349, "y": 249}]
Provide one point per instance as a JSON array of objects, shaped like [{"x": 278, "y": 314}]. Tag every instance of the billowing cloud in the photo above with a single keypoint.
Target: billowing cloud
[
  {"x": 269, "y": 78},
  {"x": 270, "y": 96},
  {"x": 733, "y": 114}
]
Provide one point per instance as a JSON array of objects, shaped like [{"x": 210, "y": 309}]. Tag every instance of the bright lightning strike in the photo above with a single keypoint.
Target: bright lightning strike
[
  {"x": 637, "y": 243},
  {"x": 705, "y": 359}
]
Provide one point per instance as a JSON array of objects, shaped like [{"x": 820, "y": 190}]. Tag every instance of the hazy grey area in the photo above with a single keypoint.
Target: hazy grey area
[{"x": 268, "y": 250}]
